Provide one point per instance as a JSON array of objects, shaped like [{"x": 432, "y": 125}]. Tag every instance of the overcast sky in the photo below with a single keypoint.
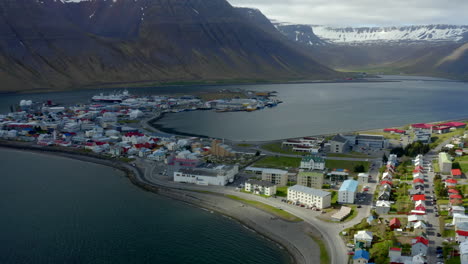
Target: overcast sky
[{"x": 362, "y": 12}]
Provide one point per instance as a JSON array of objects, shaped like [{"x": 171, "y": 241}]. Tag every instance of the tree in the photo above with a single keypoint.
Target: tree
[
  {"x": 398, "y": 151},
  {"x": 257, "y": 153},
  {"x": 384, "y": 158},
  {"x": 359, "y": 168}
]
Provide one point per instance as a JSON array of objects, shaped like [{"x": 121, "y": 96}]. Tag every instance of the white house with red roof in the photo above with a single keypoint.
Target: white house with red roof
[
  {"x": 450, "y": 182},
  {"x": 419, "y": 245},
  {"x": 456, "y": 173},
  {"x": 461, "y": 230}
]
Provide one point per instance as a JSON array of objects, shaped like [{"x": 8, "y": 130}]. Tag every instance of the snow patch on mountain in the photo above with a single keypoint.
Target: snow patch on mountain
[{"x": 429, "y": 33}]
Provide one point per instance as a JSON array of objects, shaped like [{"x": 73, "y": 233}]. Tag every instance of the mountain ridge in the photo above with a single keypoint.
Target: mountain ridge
[{"x": 60, "y": 45}]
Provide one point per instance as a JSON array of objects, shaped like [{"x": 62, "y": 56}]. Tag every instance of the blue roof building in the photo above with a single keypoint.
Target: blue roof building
[
  {"x": 347, "y": 192},
  {"x": 361, "y": 255}
]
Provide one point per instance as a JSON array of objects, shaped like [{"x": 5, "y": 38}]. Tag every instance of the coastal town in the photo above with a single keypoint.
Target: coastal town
[{"x": 393, "y": 195}]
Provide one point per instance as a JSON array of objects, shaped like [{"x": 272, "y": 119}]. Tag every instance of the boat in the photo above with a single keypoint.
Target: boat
[{"x": 111, "y": 98}]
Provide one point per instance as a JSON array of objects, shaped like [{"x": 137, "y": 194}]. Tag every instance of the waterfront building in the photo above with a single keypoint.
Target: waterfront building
[
  {"x": 312, "y": 163},
  {"x": 260, "y": 187},
  {"x": 339, "y": 144},
  {"x": 310, "y": 179},
  {"x": 348, "y": 191},
  {"x": 219, "y": 149},
  {"x": 207, "y": 175},
  {"x": 371, "y": 141},
  {"x": 445, "y": 162},
  {"x": 309, "y": 196}
]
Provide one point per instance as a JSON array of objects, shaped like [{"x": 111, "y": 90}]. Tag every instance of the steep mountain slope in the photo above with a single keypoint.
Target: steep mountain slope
[{"x": 62, "y": 44}]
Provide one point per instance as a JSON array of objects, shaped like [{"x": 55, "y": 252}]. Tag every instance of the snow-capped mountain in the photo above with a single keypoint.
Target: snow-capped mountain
[{"x": 372, "y": 35}]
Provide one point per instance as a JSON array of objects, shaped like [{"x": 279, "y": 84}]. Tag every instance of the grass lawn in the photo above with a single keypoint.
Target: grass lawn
[
  {"x": 276, "y": 147},
  {"x": 324, "y": 257},
  {"x": 278, "y": 162},
  {"x": 346, "y": 164},
  {"x": 282, "y": 191},
  {"x": 454, "y": 260},
  {"x": 439, "y": 138},
  {"x": 448, "y": 233},
  {"x": 244, "y": 145},
  {"x": 442, "y": 202},
  {"x": 385, "y": 134},
  {"x": 462, "y": 163},
  {"x": 270, "y": 209},
  {"x": 435, "y": 165}
]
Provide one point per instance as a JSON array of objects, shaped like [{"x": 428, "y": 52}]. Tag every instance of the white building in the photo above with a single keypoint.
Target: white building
[
  {"x": 309, "y": 196},
  {"x": 219, "y": 175},
  {"x": 260, "y": 187},
  {"x": 382, "y": 207},
  {"x": 459, "y": 218},
  {"x": 363, "y": 178},
  {"x": 364, "y": 237},
  {"x": 419, "y": 245},
  {"x": 464, "y": 252},
  {"x": 312, "y": 163},
  {"x": 347, "y": 192}
]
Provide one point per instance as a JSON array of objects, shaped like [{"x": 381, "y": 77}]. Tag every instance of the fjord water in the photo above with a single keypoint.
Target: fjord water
[
  {"x": 324, "y": 108},
  {"x": 57, "y": 210}
]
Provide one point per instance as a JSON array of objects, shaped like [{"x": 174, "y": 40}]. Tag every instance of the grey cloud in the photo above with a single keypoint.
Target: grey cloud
[{"x": 362, "y": 12}]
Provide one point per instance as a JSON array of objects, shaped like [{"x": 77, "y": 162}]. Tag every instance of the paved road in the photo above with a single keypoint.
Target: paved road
[{"x": 330, "y": 232}]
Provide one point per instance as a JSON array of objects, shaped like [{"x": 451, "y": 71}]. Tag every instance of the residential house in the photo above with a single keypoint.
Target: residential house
[
  {"x": 361, "y": 257},
  {"x": 309, "y": 196},
  {"x": 313, "y": 163},
  {"x": 310, "y": 179},
  {"x": 450, "y": 183},
  {"x": 395, "y": 256},
  {"x": 363, "y": 178},
  {"x": 347, "y": 192},
  {"x": 394, "y": 223},
  {"x": 456, "y": 173},
  {"x": 419, "y": 227},
  {"x": 364, "y": 237},
  {"x": 456, "y": 210},
  {"x": 464, "y": 252},
  {"x": 339, "y": 144},
  {"x": 382, "y": 207},
  {"x": 260, "y": 187},
  {"x": 384, "y": 195},
  {"x": 445, "y": 162},
  {"x": 418, "y": 197},
  {"x": 459, "y": 218},
  {"x": 461, "y": 230},
  {"x": 419, "y": 245}
]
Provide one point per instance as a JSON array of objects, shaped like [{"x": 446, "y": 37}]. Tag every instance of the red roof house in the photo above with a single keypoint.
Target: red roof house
[
  {"x": 394, "y": 223},
  {"x": 462, "y": 233},
  {"x": 418, "y": 180},
  {"x": 419, "y": 197},
  {"x": 421, "y": 240},
  {"x": 456, "y": 201},
  {"x": 454, "y": 124},
  {"x": 456, "y": 173},
  {"x": 420, "y": 208},
  {"x": 453, "y": 191},
  {"x": 385, "y": 182},
  {"x": 455, "y": 196},
  {"x": 422, "y": 126}
]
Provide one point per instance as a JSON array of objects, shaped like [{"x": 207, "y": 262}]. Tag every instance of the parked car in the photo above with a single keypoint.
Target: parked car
[{"x": 439, "y": 235}]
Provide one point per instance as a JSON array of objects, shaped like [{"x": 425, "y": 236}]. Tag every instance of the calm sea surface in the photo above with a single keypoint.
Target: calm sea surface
[{"x": 57, "y": 210}]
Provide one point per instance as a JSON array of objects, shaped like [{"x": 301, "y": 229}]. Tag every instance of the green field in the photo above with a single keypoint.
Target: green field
[
  {"x": 346, "y": 164},
  {"x": 276, "y": 147},
  {"x": 244, "y": 145},
  {"x": 461, "y": 163},
  {"x": 270, "y": 209},
  {"x": 439, "y": 138},
  {"x": 385, "y": 134},
  {"x": 278, "y": 162},
  {"x": 282, "y": 191}
]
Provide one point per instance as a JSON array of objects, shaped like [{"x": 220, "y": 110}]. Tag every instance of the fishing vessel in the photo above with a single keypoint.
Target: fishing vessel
[{"x": 111, "y": 98}]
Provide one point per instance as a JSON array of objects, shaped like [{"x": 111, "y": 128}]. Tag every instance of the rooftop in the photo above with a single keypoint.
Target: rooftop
[
  {"x": 339, "y": 138},
  {"x": 349, "y": 185},
  {"x": 307, "y": 190},
  {"x": 314, "y": 158},
  {"x": 444, "y": 157}
]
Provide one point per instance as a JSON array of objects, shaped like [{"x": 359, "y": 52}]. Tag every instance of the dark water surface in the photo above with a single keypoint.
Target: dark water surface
[{"x": 57, "y": 210}]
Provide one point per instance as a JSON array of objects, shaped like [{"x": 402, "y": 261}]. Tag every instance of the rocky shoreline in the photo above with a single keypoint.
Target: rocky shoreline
[{"x": 253, "y": 218}]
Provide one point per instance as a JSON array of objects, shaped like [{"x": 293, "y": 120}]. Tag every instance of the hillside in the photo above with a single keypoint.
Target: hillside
[{"x": 53, "y": 44}]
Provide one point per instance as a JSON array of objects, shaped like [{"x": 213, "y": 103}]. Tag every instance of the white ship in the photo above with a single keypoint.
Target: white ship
[{"x": 111, "y": 98}]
